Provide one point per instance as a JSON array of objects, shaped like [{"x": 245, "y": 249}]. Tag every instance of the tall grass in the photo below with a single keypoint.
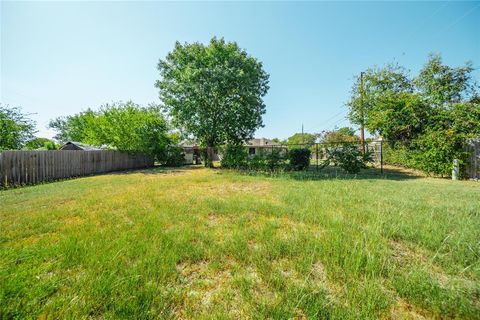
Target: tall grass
[{"x": 217, "y": 244}]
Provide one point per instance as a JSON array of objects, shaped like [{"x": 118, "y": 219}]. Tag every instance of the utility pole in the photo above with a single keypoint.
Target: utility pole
[{"x": 362, "y": 115}]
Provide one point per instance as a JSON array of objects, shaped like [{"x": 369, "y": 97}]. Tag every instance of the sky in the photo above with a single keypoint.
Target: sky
[{"x": 59, "y": 58}]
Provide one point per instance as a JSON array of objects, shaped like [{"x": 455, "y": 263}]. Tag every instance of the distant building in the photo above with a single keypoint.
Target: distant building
[
  {"x": 191, "y": 153},
  {"x": 256, "y": 146},
  {"x": 71, "y": 145}
]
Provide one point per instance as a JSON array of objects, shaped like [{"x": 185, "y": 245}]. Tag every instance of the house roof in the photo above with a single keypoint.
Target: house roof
[
  {"x": 261, "y": 142},
  {"x": 80, "y": 146}
]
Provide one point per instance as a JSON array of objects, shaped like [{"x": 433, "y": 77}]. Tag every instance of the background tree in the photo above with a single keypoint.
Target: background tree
[
  {"x": 305, "y": 139},
  {"x": 442, "y": 85},
  {"x": 15, "y": 128},
  {"x": 123, "y": 126},
  {"x": 41, "y": 143},
  {"x": 344, "y": 134},
  {"x": 79, "y": 127},
  {"x": 388, "y": 104},
  {"x": 213, "y": 92},
  {"x": 428, "y": 117},
  {"x": 277, "y": 140}
]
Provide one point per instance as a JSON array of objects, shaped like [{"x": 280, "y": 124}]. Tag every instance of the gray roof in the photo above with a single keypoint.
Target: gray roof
[
  {"x": 261, "y": 142},
  {"x": 81, "y": 146}
]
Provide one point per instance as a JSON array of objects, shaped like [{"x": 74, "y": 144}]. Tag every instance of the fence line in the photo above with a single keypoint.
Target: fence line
[
  {"x": 473, "y": 165},
  {"x": 31, "y": 167}
]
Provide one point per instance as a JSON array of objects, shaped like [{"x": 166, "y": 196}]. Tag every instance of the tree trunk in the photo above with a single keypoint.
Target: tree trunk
[{"x": 210, "y": 153}]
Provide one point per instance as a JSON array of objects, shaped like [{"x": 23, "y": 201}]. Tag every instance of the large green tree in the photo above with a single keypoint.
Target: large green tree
[
  {"x": 213, "y": 92},
  {"x": 429, "y": 115},
  {"x": 15, "y": 128},
  {"x": 123, "y": 126}
]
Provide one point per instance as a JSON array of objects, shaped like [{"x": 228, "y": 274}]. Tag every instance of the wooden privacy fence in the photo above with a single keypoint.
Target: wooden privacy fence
[
  {"x": 473, "y": 164},
  {"x": 30, "y": 167}
]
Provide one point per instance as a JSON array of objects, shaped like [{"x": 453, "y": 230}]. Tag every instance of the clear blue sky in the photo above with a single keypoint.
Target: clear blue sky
[{"x": 58, "y": 58}]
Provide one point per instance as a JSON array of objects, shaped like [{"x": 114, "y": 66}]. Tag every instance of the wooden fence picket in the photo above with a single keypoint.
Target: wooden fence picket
[{"x": 32, "y": 167}]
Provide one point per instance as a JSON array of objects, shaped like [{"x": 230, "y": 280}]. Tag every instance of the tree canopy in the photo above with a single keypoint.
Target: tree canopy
[
  {"x": 430, "y": 114},
  {"x": 123, "y": 126},
  {"x": 41, "y": 144},
  {"x": 15, "y": 128},
  {"x": 213, "y": 92},
  {"x": 301, "y": 139},
  {"x": 339, "y": 135}
]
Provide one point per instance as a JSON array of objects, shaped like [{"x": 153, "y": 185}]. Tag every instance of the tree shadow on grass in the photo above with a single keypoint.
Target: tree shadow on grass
[
  {"x": 159, "y": 170},
  {"x": 336, "y": 173}
]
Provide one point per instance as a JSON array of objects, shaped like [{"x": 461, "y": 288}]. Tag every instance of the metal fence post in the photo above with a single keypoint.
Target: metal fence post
[
  {"x": 272, "y": 159},
  {"x": 316, "y": 151},
  {"x": 381, "y": 156}
]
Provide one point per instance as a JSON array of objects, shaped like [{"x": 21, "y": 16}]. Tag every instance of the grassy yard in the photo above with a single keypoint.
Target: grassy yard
[{"x": 198, "y": 243}]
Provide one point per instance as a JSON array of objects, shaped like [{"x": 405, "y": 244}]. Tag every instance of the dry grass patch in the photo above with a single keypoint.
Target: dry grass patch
[
  {"x": 402, "y": 310},
  {"x": 206, "y": 288}
]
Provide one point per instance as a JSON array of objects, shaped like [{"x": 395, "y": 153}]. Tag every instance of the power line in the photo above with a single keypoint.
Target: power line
[
  {"x": 323, "y": 123},
  {"x": 459, "y": 19}
]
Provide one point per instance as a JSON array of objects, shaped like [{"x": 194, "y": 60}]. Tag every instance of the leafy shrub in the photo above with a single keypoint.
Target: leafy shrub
[
  {"x": 434, "y": 151},
  {"x": 174, "y": 156},
  {"x": 266, "y": 160},
  {"x": 258, "y": 162},
  {"x": 234, "y": 156},
  {"x": 397, "y": 154},
  {"x": 299, "y": 158},
  {"x": 275, "y": 159},
  {"x": 348, "y": 157}
]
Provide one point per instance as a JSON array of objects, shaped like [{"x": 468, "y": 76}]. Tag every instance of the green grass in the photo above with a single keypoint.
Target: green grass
[{"x": 198, "y": 243}]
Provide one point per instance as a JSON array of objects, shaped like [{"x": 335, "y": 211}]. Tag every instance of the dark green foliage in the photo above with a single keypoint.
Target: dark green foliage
[
  {"x": 268, "y": 160},
  {"x": 174, "y": 156},
  {"x": 257, "y": 162},
  {"x": 234, "y": 156},
  {"x": 299, "y": 159},
  {"x": 348, "y": 157},
  {"x": 275, "y": 159},
  {"x": 15, "y": 128}
]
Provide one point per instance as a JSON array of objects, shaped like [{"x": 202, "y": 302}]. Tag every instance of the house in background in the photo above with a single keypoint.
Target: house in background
[
  {"x": 71, "y": 145},
  {"x": 257, "y": 146},
  {"x": 191, "y": 153}
]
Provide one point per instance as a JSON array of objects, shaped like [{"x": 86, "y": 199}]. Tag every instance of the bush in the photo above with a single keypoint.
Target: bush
[
  {"x": 397, "y": 154},
  {"x": 258, "y": 162},
  {"x": 275, "y": 159},
  {"x": 268, "y": 160},
  {"x": 299, "y": 159},
  {"x": 434, "y": 151},
  {"x": 348, "y": 157},
  {"x": 174, "y": 156},
  {"x": 234, "y": 156}
]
